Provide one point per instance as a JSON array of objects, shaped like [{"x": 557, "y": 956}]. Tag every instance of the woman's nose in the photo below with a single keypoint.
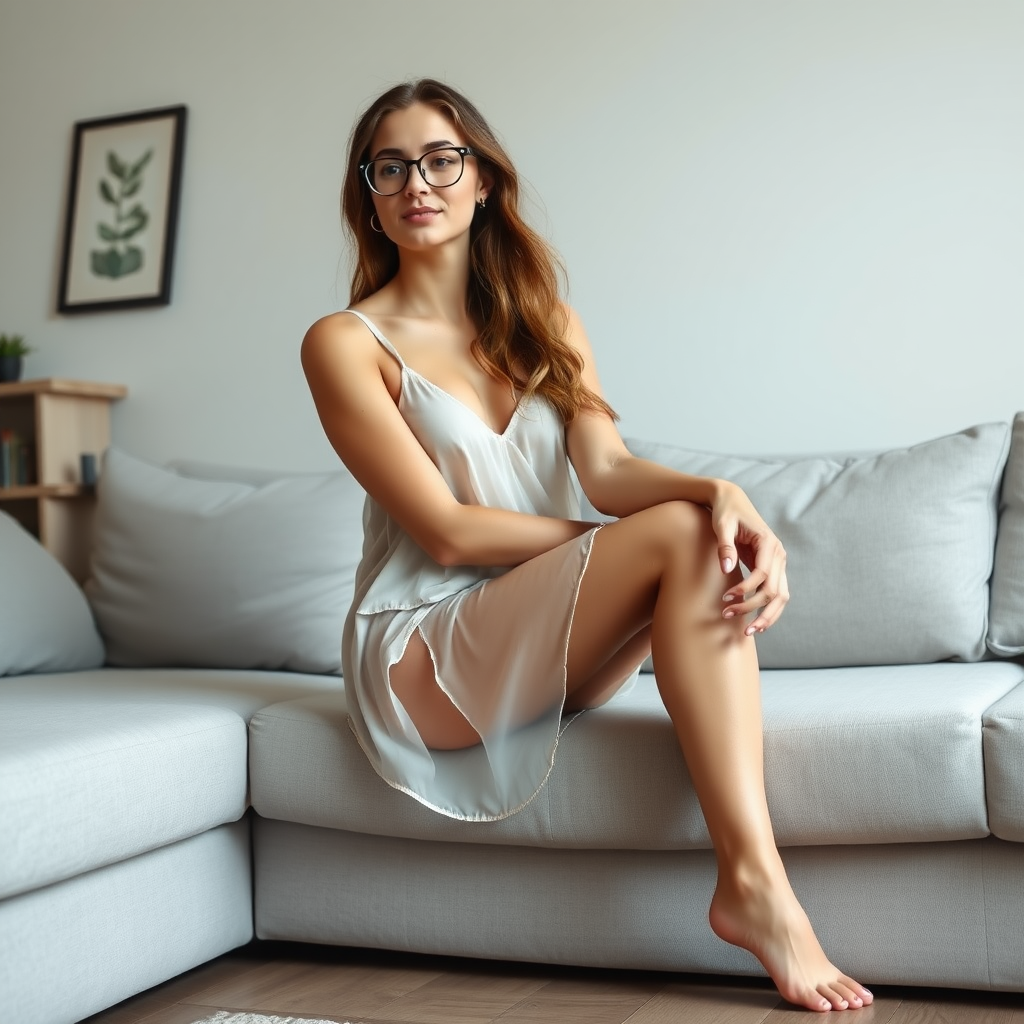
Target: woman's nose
[{"x": 416, "y": 183}]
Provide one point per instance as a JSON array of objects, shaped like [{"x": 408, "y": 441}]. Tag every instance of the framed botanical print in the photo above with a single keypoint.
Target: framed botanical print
[{"x": 122, "y": 211}]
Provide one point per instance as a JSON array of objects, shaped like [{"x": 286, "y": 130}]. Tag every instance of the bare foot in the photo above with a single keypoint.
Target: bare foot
[{"x": 764, "y": 917}]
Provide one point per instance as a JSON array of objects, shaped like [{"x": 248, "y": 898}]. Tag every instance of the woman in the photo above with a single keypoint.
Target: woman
[{"x": 457, "y": 388}]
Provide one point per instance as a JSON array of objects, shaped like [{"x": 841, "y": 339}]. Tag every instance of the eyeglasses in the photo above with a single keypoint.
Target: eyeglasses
[{"x": 439, "y": 168}]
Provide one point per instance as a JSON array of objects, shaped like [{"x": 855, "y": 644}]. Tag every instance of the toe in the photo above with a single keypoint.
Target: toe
[
  {"x": 858, "y": 990},
  {"x": 836, "y": 1000},
  {"x": 848, "y": 992}
]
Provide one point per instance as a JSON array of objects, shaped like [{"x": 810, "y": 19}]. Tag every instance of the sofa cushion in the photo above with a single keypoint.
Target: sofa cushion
[
  {"x": 45, "y": 621},
  {"x": 220, "y": 573},
  {"x": 889, "y": 554},
  {"x": 861, "y": 755},
  {"x": 118, "y": 761},
  {"x": 1006, "y": 625},
  {"x": 1004, "y": 765}
]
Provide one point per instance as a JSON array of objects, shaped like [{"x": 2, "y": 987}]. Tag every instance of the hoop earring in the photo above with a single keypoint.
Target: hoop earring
[{"x": 377, "y": 227}]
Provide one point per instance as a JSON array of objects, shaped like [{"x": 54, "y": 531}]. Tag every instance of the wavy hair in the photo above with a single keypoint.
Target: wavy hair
[{"x": 514, "y": 275}]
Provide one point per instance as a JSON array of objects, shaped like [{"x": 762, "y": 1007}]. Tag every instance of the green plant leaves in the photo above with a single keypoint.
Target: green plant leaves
[
  {"x": 13, "y": 345},
  {"x": 115, "y": 264},
  {"x": 116, "y": 168},
  {"x": 137, "y": 167}
]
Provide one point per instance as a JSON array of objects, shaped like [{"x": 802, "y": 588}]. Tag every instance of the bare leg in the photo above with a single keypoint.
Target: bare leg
[{"x": 662, "y": 566}]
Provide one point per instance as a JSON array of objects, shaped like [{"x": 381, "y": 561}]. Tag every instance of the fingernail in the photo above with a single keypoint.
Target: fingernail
[
  {"x": 727, "y": 565},
  {"x": 729, "y": 597},
  {"x": 728, "y": 613},
  {"x": 749, "y": 630}
]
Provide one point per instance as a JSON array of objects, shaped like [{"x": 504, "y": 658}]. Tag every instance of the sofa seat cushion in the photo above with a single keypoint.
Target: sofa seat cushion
[
  {"x": 98, "y": 766},
  {"x": 1004, "y": 765},
  {"x": 856, "y": 755}
]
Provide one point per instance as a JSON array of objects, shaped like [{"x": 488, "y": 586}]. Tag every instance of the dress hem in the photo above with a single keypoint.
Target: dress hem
[{"x": 563, "y": 725}]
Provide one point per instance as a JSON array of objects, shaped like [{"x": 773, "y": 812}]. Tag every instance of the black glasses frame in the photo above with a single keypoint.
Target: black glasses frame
[{"x": 463, "y": 151}]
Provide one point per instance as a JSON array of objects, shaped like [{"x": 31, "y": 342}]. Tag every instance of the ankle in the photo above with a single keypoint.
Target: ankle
[{"x": 750, "y": 873}]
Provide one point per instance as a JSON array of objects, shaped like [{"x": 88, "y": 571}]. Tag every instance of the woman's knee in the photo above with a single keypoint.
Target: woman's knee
[{"x": 680, "y": 529}]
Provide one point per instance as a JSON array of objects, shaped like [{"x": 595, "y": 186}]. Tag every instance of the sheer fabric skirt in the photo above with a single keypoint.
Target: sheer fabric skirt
[{"x": 499, "y": 652}]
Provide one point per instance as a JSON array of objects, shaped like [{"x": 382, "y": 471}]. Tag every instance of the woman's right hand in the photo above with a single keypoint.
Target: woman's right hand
[{"x": 743, "y": 536}]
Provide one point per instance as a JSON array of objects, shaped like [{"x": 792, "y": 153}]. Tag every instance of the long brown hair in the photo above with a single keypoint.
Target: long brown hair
[{"x": 514, "y": 274}]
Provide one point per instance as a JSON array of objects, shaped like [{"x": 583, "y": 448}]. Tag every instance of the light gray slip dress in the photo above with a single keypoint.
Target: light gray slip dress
[{"x": 498, "y": 637}]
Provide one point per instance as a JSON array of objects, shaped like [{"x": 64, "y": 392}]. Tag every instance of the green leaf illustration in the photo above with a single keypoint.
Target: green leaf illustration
[
  {"x": 131, "y": 187},
  {"x": 116, "y": 168},
  {"x": 107, "y": 193},
  {"x": 106, "y": 233},
  {"x": 136, "y": 168},
  {"x": 133, "y": 229},
  {"x": 131, "y": 260},
  {"x": 114, "y": 264}
]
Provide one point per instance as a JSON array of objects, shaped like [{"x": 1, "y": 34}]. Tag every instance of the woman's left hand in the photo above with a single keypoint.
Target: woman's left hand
[{"x": 743, "y": 535}]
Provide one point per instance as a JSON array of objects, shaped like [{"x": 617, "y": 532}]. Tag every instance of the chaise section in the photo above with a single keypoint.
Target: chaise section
[
  {"x": 853, "y": 756},
  {"x": 73, "y": 948},
  {"x": 112, "y": 780},
  {"x": 118, "y": 762}
]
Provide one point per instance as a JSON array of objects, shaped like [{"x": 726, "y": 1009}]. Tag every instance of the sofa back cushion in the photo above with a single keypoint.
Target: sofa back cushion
[
  {"x": 1006, "y": 625},
  {"x": 889, "y": 554},
  {"x": 221, "y": 573},
  {"x": 45, "y": 622}
]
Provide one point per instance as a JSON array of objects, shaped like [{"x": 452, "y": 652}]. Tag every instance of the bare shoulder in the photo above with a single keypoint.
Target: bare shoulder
[{"x": 337, "y": 337}]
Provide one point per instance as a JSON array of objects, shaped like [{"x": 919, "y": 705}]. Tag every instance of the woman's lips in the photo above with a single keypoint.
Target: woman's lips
[{"x": 420, "y": 215}]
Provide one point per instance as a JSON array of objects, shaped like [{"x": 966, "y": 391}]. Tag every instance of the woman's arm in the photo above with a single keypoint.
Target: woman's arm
[
  {"x": 619, "y": 484},
  {"x": 345, "y": 368}
]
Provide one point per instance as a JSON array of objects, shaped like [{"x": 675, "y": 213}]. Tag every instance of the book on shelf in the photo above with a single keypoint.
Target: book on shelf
[{"x": 15, "y": 460}]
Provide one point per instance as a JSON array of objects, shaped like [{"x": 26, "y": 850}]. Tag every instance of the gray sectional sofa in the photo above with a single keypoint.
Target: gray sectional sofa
[{"x": 177, "y": 774}]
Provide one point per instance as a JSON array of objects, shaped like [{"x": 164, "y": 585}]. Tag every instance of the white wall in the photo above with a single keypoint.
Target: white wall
[{"x": 836, "y": 261}]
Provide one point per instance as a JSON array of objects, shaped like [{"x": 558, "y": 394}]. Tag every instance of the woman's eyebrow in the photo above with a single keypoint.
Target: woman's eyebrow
[{"x": 438, "y": 144}]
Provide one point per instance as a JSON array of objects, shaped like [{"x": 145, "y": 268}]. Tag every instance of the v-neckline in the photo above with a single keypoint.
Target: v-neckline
[{"x": 404, "y": 368}]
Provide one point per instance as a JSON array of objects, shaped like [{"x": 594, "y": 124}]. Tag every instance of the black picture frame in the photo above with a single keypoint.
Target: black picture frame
[{"x": 122, "y": 211}]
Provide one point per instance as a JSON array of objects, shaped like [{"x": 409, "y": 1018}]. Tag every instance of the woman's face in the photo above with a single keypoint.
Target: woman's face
[{"x": 421, "y": 215}]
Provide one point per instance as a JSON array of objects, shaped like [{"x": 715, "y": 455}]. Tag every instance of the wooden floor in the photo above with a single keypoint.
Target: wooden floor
[{"x": 370, "y": 987}]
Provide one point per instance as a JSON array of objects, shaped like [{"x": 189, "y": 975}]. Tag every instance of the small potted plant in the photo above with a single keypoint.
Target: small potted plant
[{"x": 12, "y": 350}]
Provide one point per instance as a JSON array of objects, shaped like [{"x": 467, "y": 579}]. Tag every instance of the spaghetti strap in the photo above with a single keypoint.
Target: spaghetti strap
[{"x": 376, "y": 332}]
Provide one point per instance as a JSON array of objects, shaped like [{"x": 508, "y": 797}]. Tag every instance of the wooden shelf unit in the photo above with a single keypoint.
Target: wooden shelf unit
[{"x": 60, "y": 420}]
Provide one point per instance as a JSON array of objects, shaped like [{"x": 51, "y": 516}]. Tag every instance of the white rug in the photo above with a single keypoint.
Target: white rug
[{"x": 223, "y": 1017}]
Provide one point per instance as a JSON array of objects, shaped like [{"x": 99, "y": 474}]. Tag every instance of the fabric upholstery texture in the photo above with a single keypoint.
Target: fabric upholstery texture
[
  {"x": 1004, "y": 765},
  {"x": 902, "y": 741},
  {"x": 118, "y": 761},
  {"x": 876, "y": 545},
  {"x": 77, "y": 947},
  {"x": 111, "y": 780},
  {"x": 921, "y": 914},
  {"x": 45, "y": 621},
  {"x": 220, "y": 573},
  {"x": 1006, "y": 625}
]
